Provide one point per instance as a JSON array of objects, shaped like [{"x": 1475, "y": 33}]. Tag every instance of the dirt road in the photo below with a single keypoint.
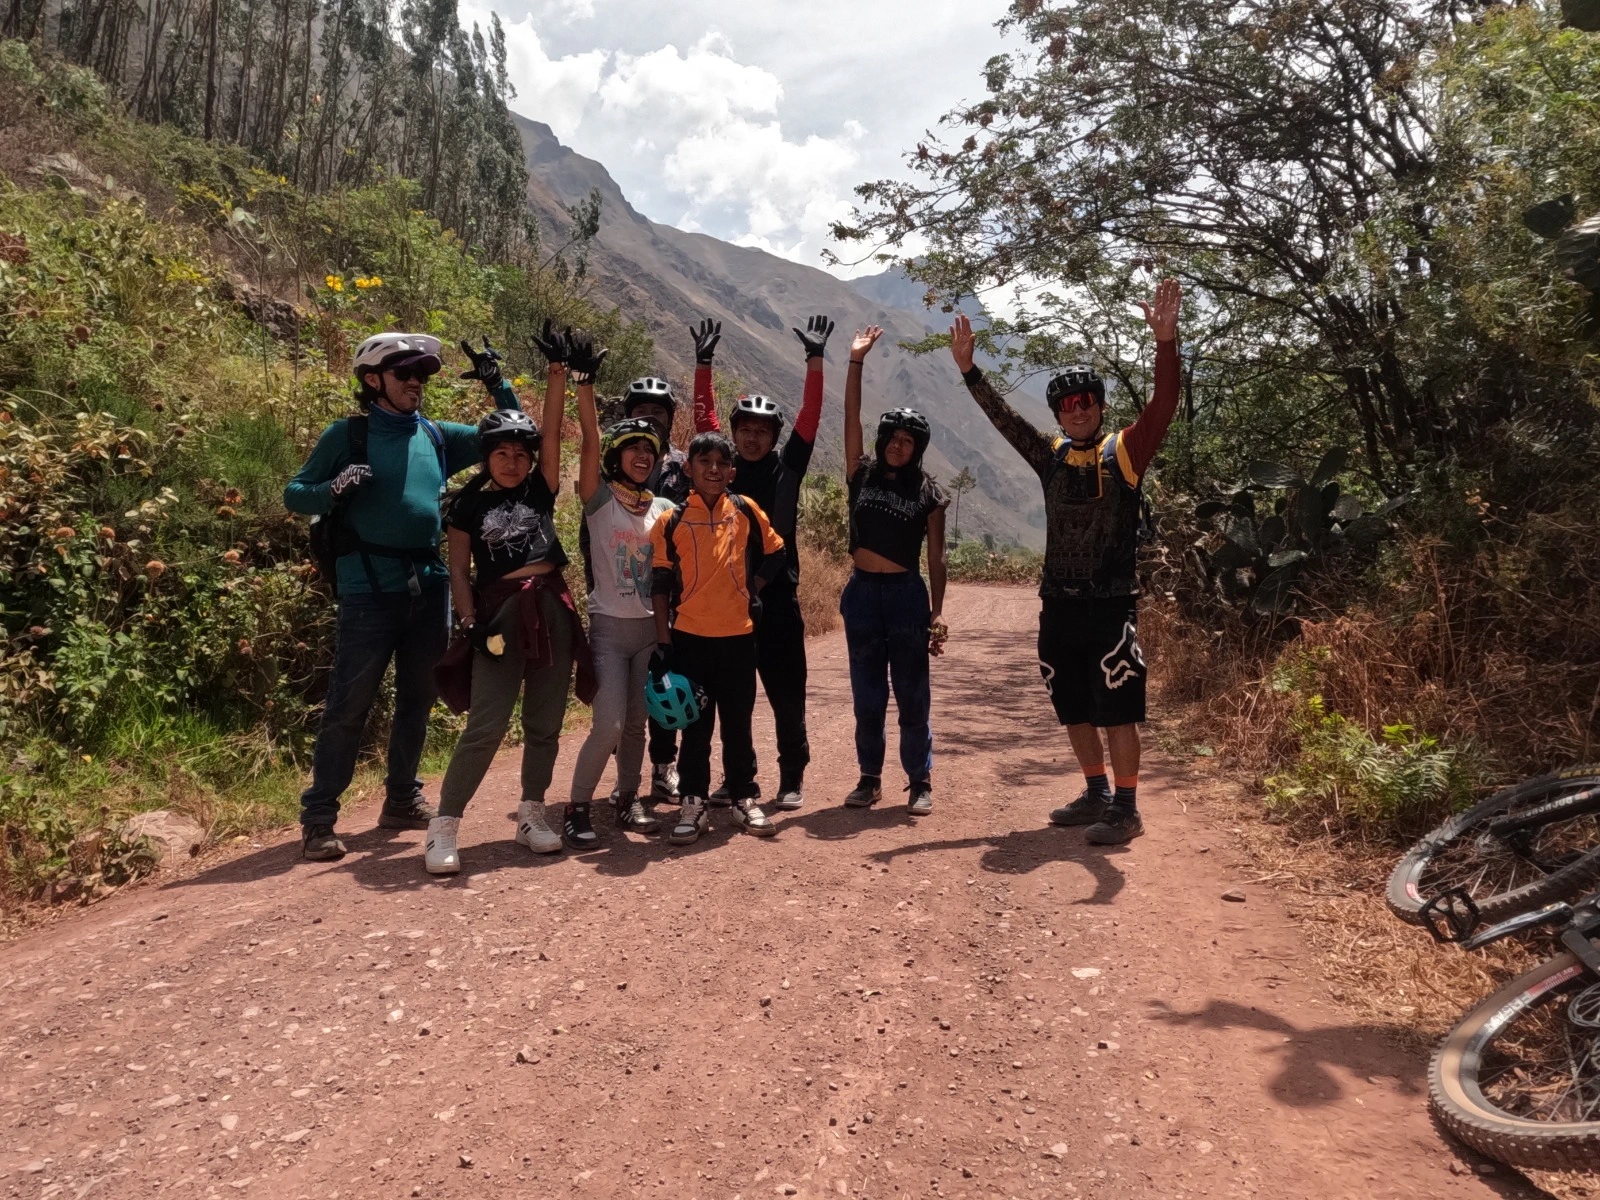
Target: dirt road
[{"x": 972, "y": 1004}]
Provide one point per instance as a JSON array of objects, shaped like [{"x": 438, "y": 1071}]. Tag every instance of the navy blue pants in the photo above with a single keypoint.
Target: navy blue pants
[
  {"x": 886, "y": 629},
  {"x": 372, "y": 629}
]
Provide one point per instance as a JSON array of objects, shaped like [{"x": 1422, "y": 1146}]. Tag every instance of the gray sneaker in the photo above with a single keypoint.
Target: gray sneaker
[
  {"x": 867, "y": 793},
  {"x": 321, "y": 844},
  {"x": 1087, "y": 809},
  {"x": 921, "y": 802},
  {"x": 692, "y": 822},
  {"x": 747, "y": 814},
  {"x": 789, "y": 799}
]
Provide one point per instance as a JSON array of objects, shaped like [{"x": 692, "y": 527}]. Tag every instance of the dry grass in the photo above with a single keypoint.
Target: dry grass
[{"x": 822, "y": 578}]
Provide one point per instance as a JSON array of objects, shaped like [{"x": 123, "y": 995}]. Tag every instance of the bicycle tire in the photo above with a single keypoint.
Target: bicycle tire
[
  {"x": 1405, "y": 894},
  {"x": 1456, "y": 1075}
]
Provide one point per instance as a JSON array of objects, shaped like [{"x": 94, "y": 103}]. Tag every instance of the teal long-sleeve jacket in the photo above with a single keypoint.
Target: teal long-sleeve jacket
[{"x": 399, "y": 505}]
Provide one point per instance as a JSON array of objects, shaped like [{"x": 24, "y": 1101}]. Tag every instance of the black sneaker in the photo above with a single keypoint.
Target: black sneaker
[
  {"x": 321, "y": 844},
  {"x": 721, "y": 797},
  {"x": 576, "y": 831},
  {"x": 1120, "y": 824},
  {"x": 921, "y": 802},
  {"x": 1087, "y": 809},
  {"x": 414, "y": 813},
  {"x": 748, "y": 816},
  {"x": 789, "y": 797},
  {"x": 632, "y": 815},
  {"x": 867, "y": 793}
]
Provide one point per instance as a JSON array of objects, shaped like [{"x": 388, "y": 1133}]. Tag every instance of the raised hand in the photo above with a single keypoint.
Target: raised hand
[
  {"x": 815, "y": 336},
  {"x": 1161, "y": 312},
  {"x": 584, "y": 358},
  {"x": 864, "y": 341},
  {"x": 350, "y": 479},
  {"x": 706, "y": 337},
  {"x": 551, "y": 344},
  {"x": 485, "y": 365},
  {"x": 962, "y": 343}
]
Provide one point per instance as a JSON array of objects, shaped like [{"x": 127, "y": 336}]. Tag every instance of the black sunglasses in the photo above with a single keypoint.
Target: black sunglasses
[{"x": 407, "y": 374}]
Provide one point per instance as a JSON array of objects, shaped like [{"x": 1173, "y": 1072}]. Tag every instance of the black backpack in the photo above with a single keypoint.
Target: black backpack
[
  {"x": 753, "y": 550},
  {"x": 331, "y": 536}
]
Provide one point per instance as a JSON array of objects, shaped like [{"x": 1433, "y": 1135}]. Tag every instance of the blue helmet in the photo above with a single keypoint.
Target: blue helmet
[{"x": 672, "y": 700}]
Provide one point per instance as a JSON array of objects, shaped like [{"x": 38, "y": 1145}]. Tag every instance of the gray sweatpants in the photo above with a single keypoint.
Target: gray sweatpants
[
  {"x": 495, "y": 684},
  {"x": 622, "y": 647}
]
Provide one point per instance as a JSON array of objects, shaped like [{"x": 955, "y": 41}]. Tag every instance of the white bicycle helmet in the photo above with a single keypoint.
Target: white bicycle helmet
[
  {"x": 756, "y": 408},
  {"x": 384, "y": 351}
]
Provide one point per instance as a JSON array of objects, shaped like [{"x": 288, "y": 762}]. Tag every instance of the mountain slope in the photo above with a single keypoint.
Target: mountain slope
[{"x": 669, "y": 278}]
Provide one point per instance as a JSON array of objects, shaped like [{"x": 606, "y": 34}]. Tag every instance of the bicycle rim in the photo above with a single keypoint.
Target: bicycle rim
[{"x": 1519, "y": 1079}]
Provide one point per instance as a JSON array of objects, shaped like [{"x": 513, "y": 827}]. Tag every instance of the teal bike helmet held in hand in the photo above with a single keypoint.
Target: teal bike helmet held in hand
[{"x": 672, "y": 700}]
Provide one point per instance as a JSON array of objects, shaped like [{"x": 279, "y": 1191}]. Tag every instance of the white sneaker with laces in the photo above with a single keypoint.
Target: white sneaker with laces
[
  {"x": 748, "y": 815},
  {"x": 532, "y": 832},
  {"x": 692, "y": 822},
  {"x": 439, "y": 855}
]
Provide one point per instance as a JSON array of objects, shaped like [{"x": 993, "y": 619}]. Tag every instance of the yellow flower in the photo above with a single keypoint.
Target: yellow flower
[
  {"x": 374, "y": 281},
  {"x": 518, "y": 381},
  {"x": 335, "y": 283},
  {"x": 361, "y": 282}
]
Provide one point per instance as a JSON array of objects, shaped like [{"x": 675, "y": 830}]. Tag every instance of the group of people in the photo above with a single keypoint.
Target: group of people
[{"x": 692, "y": 572}]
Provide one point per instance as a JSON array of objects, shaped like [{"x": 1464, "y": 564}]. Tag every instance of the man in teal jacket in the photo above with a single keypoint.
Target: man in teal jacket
[{"x": 394, "y": 595}]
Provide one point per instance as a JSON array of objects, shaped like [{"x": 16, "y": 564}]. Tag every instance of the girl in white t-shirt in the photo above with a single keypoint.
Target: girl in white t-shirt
[{"x": 618, "y": 514}]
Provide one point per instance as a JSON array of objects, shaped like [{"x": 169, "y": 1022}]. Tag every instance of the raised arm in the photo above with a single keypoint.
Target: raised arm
[
  {"x": 803, "y": 437},
  {"x": 706, "y": 335},
  {"x": 1013, "y": 426},
  {"x": 555, "y": 346},
  {"x": 585, "y": 363},
  {"x": 1144, "y": 437},
  {"x": 860, "y": 346}
]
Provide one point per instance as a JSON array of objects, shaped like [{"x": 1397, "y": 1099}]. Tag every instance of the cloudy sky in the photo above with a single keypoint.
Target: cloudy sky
[{"x": 749, "y": 119}]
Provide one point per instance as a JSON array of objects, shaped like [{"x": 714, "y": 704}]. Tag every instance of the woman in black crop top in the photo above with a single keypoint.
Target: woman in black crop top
[{"x": 890, "y": 625}]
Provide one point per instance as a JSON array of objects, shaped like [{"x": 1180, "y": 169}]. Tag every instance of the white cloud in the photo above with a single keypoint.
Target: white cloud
[
  {"x": 555, "y": 91},
  {"x": 703, "y": 87}
]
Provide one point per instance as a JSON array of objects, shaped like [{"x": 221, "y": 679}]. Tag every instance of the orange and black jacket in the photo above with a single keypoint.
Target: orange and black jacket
[{"x": 719, "y": 558}]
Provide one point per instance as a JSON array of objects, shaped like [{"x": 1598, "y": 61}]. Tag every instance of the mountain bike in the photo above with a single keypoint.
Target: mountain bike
[
  {"x": 1525, "y": 846},
  {"x": 1519, "y": 1078}
]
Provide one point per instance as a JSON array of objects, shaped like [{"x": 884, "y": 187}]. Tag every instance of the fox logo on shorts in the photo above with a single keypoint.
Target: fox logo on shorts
[
  {"x": 1049, "y": 673},
  {"x": 1126, "y": 660}
]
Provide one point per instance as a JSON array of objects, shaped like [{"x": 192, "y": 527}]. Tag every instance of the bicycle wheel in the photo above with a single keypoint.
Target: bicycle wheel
[
  {"x": 1557, "y": 860},
  {"x": 1519, "y": 1078}
]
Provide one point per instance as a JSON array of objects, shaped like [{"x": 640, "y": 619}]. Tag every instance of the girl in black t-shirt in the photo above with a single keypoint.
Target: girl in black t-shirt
[
  {"x": 516, "y": 613},
  {"x": 890, "y": 626}
]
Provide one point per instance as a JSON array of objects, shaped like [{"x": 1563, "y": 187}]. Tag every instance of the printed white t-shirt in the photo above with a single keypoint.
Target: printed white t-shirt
[{"x": 617, "y": 554}]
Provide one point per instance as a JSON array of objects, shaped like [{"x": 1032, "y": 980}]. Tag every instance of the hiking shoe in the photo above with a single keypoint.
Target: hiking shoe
[
  {"x": 439, "y": 855},
  {"x": 321, "y": 844},
  {"x": 720, "y": 798},
  {"x": 692, "y": 822},
  {"x": 632, "y": 815},
  {"x": 789, "y": 798},
  {"x": 664, "y": 781},
  {"x": 412, "y": 813},
  {"x": 1120, "y": 824},
  {"x": 532, "y": 831},
  {"x": 1087, "y": 809},
  {"x": 921, "y": 802},
  {"x": 867, "y": 793},
  {"x": 576, "y": 831},
  {"x": 748, "y": 815}
]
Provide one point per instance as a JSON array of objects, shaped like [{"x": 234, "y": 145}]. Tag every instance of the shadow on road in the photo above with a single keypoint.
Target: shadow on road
[
  {"x": 1024, "y": 850},
  {"x": 836, "y": 823}
]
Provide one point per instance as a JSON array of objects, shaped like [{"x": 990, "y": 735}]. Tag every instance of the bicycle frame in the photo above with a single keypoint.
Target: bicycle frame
[{"x": 1452, "y": 917}]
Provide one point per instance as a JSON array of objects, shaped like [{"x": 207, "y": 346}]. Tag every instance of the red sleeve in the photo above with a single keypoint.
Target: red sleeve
[
  {"x": 1144, "y": 437},
  {"x": 705, "y": 402},
  {"x": 810, "y": 414}
]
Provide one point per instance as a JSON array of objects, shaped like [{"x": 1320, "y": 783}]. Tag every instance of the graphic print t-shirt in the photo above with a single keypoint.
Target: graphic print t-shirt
[
  {"x": 616, "y": 547},
  {"x": 890, "y": 520},
  {"x": 509, "y": 529}
]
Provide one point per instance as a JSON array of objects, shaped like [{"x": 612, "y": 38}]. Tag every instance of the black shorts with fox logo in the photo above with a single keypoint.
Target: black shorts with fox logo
[{"x": 1091, "y": 662}]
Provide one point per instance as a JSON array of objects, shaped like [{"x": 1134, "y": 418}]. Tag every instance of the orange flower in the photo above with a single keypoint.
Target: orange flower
[
  {"x": 154, "y": 567},
  {"x": 231, "y": 556}
]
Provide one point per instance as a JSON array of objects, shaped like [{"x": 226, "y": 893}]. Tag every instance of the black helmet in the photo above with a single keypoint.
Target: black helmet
[
  {"x": 749, "y": 407},
  {"x": 650, "y": 390},
  {"x": 507, "y": 425},
  {"x": 624, "y": 433},
  {"x": 1080, "y": 377},
  {"x": 910, "y": 420}
]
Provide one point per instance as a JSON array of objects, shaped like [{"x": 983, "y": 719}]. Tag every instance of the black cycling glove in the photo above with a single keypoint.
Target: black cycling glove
[
  {"x": 584, "y": 357},
  {"x": 706, "y": 337},
  {"x": 815, "y": 336},
  {"x": 485, "y": 365},
  {"x": 553, "y": 345}
]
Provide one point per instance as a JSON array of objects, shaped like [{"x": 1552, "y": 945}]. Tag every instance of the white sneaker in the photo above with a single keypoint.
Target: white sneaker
[
  {"x": 692, "y": 822},
  {"x": 748, "y": 815},
  {"x": 664, "y": 781},
  {"x": 439, "y": 855},
  {"x": 532, "y": 832}
]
